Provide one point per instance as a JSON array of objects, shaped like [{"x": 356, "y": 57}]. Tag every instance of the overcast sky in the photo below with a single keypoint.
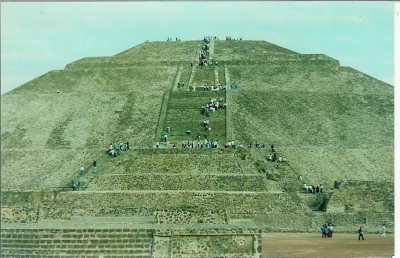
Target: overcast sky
[{"x": 39, "y": 37}]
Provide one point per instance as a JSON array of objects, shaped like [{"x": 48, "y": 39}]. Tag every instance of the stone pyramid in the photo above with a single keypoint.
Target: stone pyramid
[{"x": 333, "y": 124}]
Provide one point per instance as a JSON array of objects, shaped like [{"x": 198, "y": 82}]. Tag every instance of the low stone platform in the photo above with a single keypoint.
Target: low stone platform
[{"x": 129, "y": 236}]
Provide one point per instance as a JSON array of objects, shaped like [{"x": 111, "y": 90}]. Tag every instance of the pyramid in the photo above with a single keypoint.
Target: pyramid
[{"x": 334, "y": 125}]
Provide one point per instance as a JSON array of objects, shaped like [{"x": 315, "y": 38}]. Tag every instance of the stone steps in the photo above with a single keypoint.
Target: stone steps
[{"x": 164, "y": 105}]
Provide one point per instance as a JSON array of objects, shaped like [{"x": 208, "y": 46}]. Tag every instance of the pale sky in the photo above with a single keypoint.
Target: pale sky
[{"x": 39, "y": 37}]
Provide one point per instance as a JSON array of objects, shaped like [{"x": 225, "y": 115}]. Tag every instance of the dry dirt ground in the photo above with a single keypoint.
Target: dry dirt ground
[{"x": 312, "y": 245}]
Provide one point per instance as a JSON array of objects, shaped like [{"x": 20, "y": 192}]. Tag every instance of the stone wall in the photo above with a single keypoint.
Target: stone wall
[
  {"x": 19, "y": 214},
  {"x": 178, "y": 182},
  {"x": 192, "y": 216},
  {"x": 76, "y": 242},
  {"x": 362, "y": 196},
  {"x": 144, "y": 203},
  {"x": 216, "y": 242},
  {"x": 128, "y": 238},
  {"x": 185, "y": 161}
]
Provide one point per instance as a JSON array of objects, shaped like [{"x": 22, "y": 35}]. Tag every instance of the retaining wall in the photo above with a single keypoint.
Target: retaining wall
[
  {"x": 132, "y": 240},
  {"x": 178, "y": 182}
]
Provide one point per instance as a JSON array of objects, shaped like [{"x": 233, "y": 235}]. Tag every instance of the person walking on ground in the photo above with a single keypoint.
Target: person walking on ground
[
  {"x": 320, "y": 188},
  {"x": 330, "y": 230},
  {"x": 94, "y": 169},
  {"x": 383, "y": 230},
  {"x": 94, "y": 163},
  {"x": 323, "y": 231},
  {"x": 360, "y": 233},
  {"x": 82, "y": 169}
]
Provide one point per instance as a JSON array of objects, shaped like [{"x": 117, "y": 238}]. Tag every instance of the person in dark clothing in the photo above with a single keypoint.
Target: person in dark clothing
[
  {"x": 360, "y": 233},
  {"x": 94, "y": 163},
  {"x": 323, "y": 230}
]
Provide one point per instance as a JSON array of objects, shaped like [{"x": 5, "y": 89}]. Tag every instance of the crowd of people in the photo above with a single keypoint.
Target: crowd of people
[
  {"x": 219, "y": 87},
  {"x": 176, "y": 39},
  {"x": 327, "y": 231},
  {"x": 211, "y": 107},
  {"x": 210, "y": 37},
  {"x": 311, "y": 188},
  {"x": 204, "y": 52},
  {"x": 230, "y": 38},
  {"x": 117, "y": 148},
  {"x": 198, "y": 143}
]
